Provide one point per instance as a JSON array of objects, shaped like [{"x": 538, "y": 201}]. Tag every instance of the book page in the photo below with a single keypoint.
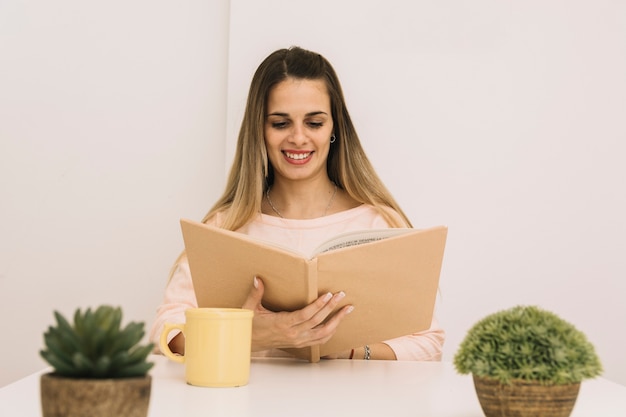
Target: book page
[{"x": 357, "y": 238}]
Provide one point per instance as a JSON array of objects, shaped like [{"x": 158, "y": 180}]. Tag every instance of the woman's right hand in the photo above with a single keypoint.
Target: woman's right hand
[{"x": 300, "y": 328}]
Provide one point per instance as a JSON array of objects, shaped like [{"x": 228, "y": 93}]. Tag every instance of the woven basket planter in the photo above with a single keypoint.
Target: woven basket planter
[
  {"x": 76, "y": 397},
  {"x": 525, "y": 398}
]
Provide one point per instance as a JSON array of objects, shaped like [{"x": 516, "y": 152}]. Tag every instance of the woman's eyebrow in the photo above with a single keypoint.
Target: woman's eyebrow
[{"x": 313, "y": 113}]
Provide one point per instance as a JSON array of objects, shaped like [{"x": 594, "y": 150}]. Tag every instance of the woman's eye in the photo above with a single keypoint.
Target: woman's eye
[{"x": 284, "y": 124}]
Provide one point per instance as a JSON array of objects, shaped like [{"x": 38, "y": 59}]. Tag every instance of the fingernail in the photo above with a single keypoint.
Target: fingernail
[
  {"x": 327, "y": 297},
  {"x": 340, "y": 295},
  {"x": 256, "y": 282},
  {"x": 349, "y": 309}
]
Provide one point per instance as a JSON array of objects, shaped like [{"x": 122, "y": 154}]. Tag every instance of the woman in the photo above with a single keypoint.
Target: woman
[{"x": 299, "y": 177}]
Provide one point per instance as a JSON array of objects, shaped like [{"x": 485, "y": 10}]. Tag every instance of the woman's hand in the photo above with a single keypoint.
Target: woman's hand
[{"x": 295, "y": 329}]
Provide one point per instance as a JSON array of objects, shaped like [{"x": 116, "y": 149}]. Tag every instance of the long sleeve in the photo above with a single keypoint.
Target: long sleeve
[
  {"x": 179, "y": 296},
  {"x": 422, "y": 346}
]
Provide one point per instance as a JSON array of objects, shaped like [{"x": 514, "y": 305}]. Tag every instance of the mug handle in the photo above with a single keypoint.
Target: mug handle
[{"x": 167, "y": 328}]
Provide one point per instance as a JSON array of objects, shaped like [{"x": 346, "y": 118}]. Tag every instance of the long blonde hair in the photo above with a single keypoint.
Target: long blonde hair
[{"x": 251, "y": 172}]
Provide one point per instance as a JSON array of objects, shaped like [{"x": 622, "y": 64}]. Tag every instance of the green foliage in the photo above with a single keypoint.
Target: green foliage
[
  {"x": 96, "y": 346},
  {"x": 527, "y": 343}
]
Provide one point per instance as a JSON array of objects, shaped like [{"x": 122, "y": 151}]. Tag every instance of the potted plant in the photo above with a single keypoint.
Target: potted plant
[
  {"x": 526, "y": 361},
  {"x": 100, "y": 370}
]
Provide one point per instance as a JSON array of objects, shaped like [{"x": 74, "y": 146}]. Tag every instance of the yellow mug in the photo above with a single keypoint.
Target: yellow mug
[{"x": 217, "y": 346}]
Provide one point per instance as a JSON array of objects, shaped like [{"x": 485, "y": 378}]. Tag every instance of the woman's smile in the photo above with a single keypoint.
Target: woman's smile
[{"x": 297, "y": 157}]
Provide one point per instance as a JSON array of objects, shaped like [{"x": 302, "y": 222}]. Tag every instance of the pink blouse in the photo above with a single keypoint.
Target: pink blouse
[{"x": 303, "y": 236}]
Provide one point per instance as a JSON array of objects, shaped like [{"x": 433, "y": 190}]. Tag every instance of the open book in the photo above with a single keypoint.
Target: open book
[{"x": 390, "y": 276}]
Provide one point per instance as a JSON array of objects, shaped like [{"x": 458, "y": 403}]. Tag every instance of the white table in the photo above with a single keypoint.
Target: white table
[{"x": 283, "y": 387}]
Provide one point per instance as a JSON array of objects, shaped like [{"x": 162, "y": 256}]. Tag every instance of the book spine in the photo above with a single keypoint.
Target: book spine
[{"x": 313, "y": 294}]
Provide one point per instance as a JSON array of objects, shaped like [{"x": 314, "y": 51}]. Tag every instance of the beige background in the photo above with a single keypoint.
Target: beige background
[{"x": 503, "y": 121}]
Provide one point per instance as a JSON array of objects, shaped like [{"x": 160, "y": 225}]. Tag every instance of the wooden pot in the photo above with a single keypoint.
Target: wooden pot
[
  {"x": 525, "y": 398},
  {"x": 78, "y": 397}
]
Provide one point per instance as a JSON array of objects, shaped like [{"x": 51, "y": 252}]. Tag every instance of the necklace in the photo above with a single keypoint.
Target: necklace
[{"x": 269, "y": 200}]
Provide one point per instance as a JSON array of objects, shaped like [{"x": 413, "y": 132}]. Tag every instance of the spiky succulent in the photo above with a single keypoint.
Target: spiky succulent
[
  {"x": 527, "y": 343},
  {"x": 96, "y": 346}
]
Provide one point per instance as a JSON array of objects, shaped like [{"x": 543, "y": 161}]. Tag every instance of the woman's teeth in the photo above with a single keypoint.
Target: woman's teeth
[{"x": 297, "y": 155}]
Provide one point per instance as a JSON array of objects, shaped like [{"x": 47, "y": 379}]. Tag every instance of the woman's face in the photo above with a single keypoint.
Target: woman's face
[{"x": 298, "y": 126}]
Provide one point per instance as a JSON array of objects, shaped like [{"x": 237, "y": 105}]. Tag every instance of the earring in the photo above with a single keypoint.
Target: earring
[{"x": 333, "y": 138}]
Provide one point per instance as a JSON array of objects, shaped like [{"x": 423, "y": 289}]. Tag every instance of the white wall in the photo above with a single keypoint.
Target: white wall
[
  {"x": 112, "y": 122},
  {"x": 503, "y": 121}
]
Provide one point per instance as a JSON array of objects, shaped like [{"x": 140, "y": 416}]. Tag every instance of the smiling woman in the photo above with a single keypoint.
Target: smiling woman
[{"x": 300, "y": 175}]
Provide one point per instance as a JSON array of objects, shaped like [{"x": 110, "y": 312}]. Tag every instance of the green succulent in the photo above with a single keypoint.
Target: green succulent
[
  {"x": 96, "y": 346},
  {"x": 527, "y": 343}
]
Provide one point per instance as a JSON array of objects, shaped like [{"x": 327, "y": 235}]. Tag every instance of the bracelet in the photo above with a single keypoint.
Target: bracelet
[
  {"x": 351, "y": 354},
  {"x": 368, "y": 353}
]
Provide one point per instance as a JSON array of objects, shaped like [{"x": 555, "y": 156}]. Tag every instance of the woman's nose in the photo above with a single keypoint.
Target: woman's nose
[{"x": 298, "y": 135}]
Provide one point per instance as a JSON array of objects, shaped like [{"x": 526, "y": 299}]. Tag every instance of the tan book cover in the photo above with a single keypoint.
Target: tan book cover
[{"x": 391, "y": 276}]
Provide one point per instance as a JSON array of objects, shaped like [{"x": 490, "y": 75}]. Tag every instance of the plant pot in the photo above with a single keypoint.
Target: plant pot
[
  {"x": 79, "y": 397},
  {"x": 525, "y": 398}
]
